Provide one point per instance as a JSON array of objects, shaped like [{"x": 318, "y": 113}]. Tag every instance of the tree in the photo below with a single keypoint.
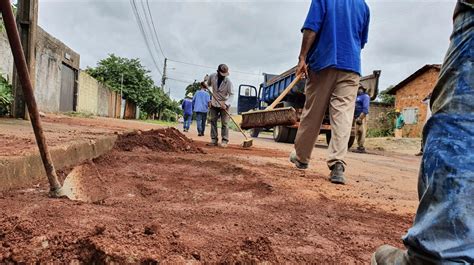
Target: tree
[
  {"x": 193, "y": 88},
  {"x": 384, "y": 97},
  {"x": 137, "y": 83}
]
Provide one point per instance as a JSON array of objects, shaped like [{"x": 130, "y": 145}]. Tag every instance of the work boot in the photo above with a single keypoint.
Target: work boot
[
  {"x": 361, "y": 149},
  {"x": 388, "y": 255},
  {"x": 212, "y": 144},
  {"x": 297, "y": 163},
  {"x": 224, "y": 145},
  {"x": 337, "y": 174}
]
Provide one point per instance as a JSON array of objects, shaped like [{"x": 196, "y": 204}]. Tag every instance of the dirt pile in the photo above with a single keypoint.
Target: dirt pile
[{"x": 165, "y": 140}]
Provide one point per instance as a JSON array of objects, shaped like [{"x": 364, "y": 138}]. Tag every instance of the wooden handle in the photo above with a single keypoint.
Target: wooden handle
[{"x": 285, "y": 92}]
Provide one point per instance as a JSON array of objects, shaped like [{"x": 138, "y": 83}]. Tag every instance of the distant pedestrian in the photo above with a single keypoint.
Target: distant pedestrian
[
  {"x": 399, "y": 124},
  {"x": 201, "y": 102},
  {"x": 223, "y": 91},
  {"x": 187, "y": 107},
  {"x": 334, "y": 33},
  {"x": 360, "y": 114},
  {"x": 425, "y": 101}
]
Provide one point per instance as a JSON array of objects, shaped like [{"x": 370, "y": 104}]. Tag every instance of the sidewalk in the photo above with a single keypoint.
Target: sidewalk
[{"x": 71, "y": 141}]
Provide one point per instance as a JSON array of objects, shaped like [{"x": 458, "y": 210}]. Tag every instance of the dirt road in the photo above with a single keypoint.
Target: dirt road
[{"x": 179, "y": 202}]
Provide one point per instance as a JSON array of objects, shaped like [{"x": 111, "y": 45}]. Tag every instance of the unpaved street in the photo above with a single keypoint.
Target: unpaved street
[{"x": 165, "y": 199}]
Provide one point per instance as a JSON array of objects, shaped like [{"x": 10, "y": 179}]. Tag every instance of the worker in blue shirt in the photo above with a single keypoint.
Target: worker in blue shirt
[
  {"x": 443, "y": 229},
  {"x": 201, "y": 107},
  {"x": 334, "y": 33},
  {"x": 360, "y": 115},
  {"x": 187, "y": 107}
]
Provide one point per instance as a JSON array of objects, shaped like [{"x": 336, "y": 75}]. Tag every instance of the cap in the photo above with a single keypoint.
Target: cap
[{"x": 223, "y": 70}]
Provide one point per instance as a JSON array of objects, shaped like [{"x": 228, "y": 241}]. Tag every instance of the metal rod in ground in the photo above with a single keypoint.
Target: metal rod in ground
[{"x": 22, "y": 70}]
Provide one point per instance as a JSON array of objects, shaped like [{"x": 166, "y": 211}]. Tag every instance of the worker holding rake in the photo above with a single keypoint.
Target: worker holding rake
[{"x": 334, "y": 33}]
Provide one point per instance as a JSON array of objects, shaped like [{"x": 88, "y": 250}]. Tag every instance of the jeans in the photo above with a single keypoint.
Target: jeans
[
  {"x": 215, "y": 114},
  {"x": 443, "y": 229},
  {"x": 201, "y": 118},
  {"x": 188, "y": 119}
]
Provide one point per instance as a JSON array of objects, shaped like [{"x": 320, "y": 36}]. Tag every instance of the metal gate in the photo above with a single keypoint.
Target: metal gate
[{"x": 68, "y": 82}]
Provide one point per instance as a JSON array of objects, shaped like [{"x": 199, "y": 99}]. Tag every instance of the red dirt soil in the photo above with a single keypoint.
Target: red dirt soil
[{"x": 165, "y": 200}]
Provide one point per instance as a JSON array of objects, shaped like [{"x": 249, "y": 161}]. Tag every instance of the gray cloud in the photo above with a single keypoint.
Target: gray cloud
[{"x": 250, "y": 36}]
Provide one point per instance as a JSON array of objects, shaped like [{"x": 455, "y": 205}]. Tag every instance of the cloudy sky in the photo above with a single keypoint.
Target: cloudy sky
[{"x": 252, "y": 37}]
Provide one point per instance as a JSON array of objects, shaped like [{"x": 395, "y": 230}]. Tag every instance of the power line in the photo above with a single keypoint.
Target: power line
[
  {"x": 144, "y": 35},
  {"x": 210, "y": 67},
  {"x": 182, "y": 81},
  {"x": 150, "y": 30},
  {"x": 154, "y": 28}
]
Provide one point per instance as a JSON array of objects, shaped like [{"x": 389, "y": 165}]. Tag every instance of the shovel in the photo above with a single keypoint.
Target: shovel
[{"x": 56, "y": 190}]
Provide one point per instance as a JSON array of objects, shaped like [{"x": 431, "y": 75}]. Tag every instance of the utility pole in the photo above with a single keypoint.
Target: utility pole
[
  {"x": 27, "y": 21},
  {"x": 163, "y": 79}
]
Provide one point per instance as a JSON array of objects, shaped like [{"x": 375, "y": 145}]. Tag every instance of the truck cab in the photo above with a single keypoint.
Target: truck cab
[{"x": 251, "y": 98}]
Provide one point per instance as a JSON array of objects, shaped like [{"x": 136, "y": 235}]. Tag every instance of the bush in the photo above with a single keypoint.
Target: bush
[
  {"x": 6, "y": 97},
  {"x": 373, "y": 133}
]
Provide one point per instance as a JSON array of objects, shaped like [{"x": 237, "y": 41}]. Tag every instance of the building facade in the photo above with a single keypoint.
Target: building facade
[{"x": 409, "y": 96}]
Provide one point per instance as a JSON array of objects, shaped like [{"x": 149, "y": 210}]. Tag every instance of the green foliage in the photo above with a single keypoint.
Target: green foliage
[
  {"x": 137, "y": 83},
  {"x": 192, "y": 88},
  {"x": 385, "y": 122},
  {"x": 137, "y": 86},
  {"x": 6, "y": 97},
  {"x": 386, "y": 98}
]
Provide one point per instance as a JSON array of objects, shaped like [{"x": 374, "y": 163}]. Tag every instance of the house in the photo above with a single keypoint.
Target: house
[{"x": 409, "y": 96}]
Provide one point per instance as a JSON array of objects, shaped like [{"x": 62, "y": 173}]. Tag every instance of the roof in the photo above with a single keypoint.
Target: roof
[{"x": 412, "y": 77}]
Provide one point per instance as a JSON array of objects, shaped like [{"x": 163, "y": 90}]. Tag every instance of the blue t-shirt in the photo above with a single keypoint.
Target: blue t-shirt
[
  {"x": 362, "y": 105},
  {"x": 342, "y": 28},
  {"x": 187, "y": 106},
  {"x": 200, "y": 101}
]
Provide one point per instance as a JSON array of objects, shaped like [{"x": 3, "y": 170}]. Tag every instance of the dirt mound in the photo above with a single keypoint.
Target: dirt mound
[
  {"x": 252, "y": 252},
  {"x": 166, "y": 140}
]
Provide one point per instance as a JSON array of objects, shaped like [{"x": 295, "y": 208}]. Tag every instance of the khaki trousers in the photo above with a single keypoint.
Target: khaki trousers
[
  {"x": 338, "y": 90},
  {"x": 361, "y": 131}
]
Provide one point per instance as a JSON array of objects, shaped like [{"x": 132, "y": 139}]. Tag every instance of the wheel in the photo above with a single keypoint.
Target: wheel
[
  {"x": 349, "y": 144},
  {"x": 292, "y": 135},
  {"x": 255, "y": 132},
  {"x": 280, "y": 134}
]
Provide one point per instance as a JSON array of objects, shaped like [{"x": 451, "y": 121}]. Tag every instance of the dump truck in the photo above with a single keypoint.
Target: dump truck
[{"x": 251, "y": 98}]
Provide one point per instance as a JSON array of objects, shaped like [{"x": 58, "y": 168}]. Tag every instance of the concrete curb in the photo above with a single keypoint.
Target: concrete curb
[{"x": 25, "y": 171}]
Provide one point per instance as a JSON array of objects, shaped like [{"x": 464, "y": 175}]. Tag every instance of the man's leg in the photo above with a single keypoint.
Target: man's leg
[
  {"x": 199, "y": 122},
  {"x": 214, "y": 116},
  {"x": 363, "y": 133},
  {"x": 203, "y": 122},
  {"x": 341, "y": 113},
  {"x": 443, "y": 230},
  {"x": 224, "y": 127},
  {"x": 319, "y": 87},
  {"x": 359, "y": 135}
]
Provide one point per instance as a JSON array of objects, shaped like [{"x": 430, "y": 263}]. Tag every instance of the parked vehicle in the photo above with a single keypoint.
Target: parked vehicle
[{"x": 251, "y": 98}]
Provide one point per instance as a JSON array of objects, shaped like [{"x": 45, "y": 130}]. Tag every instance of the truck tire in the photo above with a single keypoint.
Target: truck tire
[
  {"x": 292, "y": 135},
  {"x": 255, "y": 132},
  {"x": 280, "y": 134},
  {"x": 349, "y": 144}
]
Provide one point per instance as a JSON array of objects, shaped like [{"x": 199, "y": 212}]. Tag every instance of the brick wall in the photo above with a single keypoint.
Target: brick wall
[
  {"x": 411, "y": 96},
  {"x": 378, "y": 116}
]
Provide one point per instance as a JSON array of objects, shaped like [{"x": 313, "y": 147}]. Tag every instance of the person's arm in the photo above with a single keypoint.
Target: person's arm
[
  {"x": 310, "y": 28},
  {"x": 182, "y": 104},
  {"x": 365, "y": 32},
  {"x": 365, "y": 107},
  {"x": 230, "y": 98}
]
